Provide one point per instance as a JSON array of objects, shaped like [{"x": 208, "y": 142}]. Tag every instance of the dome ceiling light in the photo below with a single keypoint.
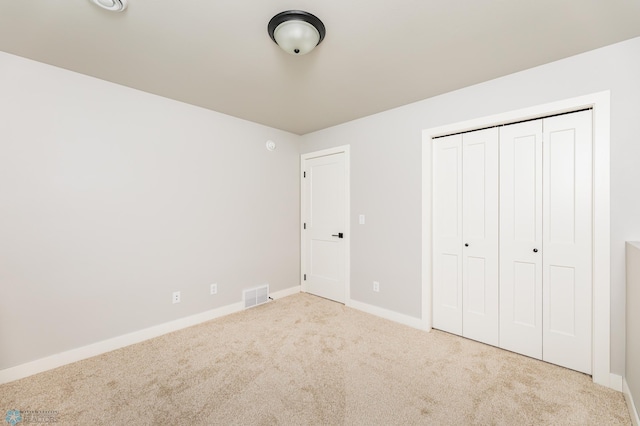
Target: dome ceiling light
[
  {"x": 295, "y": 31},
  {"x": 112, "y": 5}
]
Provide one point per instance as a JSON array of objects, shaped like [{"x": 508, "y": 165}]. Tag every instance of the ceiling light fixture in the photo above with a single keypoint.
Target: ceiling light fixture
[
  {"x": 296, "y": 32},
  {"x": 112, "y": 5}
]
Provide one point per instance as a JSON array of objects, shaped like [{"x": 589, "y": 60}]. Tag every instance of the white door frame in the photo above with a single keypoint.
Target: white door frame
[
  {"x": 600, "y": 102},
  {"x": 347, "y": 214}
]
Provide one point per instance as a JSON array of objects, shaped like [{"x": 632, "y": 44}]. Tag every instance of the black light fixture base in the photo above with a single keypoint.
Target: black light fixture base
[{"x": 295, "y": 15}]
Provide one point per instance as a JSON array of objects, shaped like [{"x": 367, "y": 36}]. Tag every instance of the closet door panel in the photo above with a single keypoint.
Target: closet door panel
[
  {"x": 447, "y": 234},
  {"x": 567, "y": 240},
  {"x": 521, "y": 238},
  {"x": 480, "y": 235}
]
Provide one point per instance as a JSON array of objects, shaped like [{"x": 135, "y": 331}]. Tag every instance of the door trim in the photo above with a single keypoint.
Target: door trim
[
  {"x": 345, "y": 149},
  {"x": 600, "y": 102}
]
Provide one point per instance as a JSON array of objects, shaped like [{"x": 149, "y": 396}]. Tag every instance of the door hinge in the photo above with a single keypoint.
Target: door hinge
[
  {"x": 304, "y": 174},
  {"x": 305, "y": 226},
  {"x": 305, "y": 277}
]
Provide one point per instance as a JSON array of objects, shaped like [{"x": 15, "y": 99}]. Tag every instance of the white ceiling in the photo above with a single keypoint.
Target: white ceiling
[{"x": 377, "y": 54}]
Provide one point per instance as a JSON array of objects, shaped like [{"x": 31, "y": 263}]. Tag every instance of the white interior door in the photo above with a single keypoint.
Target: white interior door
[
  {"x": 521, "y": 238},
  {"x": 447, "y": 234},
  {"x": 480, "y": 235},
  {"x": 567, "y": 240},
  {"x": 324, "y": 226}
]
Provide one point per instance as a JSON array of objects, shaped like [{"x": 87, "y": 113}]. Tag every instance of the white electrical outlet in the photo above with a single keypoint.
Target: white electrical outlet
[
  {"x": 176, "y": 297},
  {"x": 214, "y": 289},
  {"x": 376, "y": 286}
]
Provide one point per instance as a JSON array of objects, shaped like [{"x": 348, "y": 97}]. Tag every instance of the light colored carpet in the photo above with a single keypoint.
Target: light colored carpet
[{"x": 305, "y": 360}]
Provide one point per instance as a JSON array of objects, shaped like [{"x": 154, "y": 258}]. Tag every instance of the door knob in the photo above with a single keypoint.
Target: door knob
[
  {"x": 535, "y": 250},
  {"x": 339, "y": 235}
]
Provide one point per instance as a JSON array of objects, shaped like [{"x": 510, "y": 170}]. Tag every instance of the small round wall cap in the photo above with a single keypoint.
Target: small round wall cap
[
  {"x": 111, "y": 5},
  {"x": 271, "y": 145}
]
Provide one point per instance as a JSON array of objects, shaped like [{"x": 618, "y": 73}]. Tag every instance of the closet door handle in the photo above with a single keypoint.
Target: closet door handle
[
  {"x": 466, "y": 244},
  {"x": 535, "y": 250}
]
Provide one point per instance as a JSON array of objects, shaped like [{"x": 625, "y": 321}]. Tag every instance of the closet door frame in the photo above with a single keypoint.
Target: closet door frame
[{"x": 600, "y": 103}]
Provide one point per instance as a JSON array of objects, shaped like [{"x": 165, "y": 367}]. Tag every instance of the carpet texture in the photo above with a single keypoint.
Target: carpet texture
[{"x": 306, "y": 360}]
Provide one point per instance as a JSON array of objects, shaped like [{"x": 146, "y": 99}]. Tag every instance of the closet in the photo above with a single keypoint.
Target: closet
[
  {"x": 465, "y": 223},
  {"x": 512, "y": 237}
]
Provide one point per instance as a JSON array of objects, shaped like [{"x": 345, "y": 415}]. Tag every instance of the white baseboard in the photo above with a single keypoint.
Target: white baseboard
[
  {"x": 286, "y": 292},
  {"x": 98, "y": 348},
  {"x": 615, "y": 382},
  {"x": 630, "y": 404},
  {"x": 386, "y": 314}
]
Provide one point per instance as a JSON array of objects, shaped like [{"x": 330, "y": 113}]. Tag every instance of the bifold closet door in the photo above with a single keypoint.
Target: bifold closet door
[
  {"x": 546, "y": 239},
  {"x": 480, "y": 235},
  {"x": 465, "y": 235},
  {"x": 521, "y": 238},
  {"x": 533, "y": 181},
  {"x": 447, "y": 234},
  {"x": 567, "y": 239}
]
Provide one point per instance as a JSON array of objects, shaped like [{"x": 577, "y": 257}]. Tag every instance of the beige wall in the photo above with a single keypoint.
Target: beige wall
[
  {"x": 111, "y": 199},
  {"x": 632, "y": 371},
  {"x": 386, "y": 171}
]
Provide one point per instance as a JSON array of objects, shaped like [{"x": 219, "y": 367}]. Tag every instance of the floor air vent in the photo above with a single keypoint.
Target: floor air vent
[{"x": 256, "y": 296}]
